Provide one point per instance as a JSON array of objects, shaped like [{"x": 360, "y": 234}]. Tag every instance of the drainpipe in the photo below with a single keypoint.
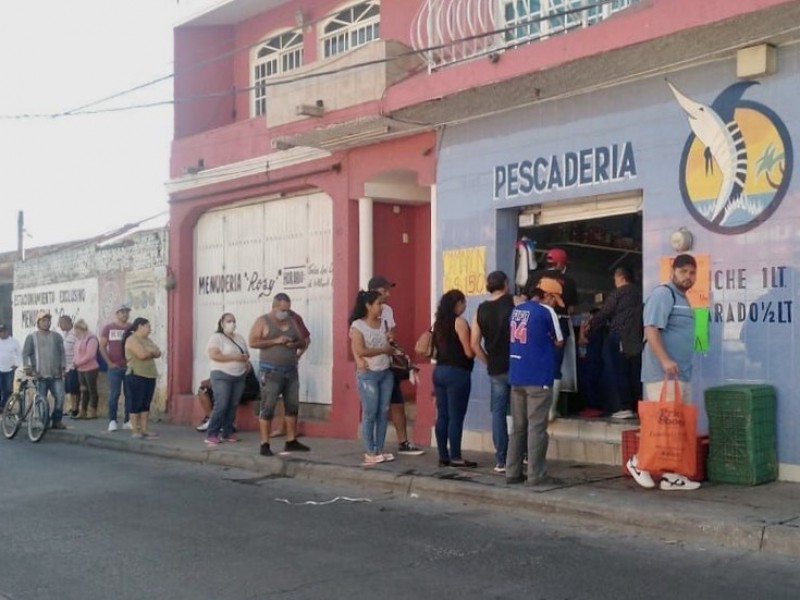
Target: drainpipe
[
  {"x": 20, "y": 233},
  {"x": 365, "y": 245}
]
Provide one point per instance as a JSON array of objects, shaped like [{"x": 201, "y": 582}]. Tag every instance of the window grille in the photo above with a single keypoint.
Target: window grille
[
  {"x": 350, "y": 28},
  {"x": 277, "y": 55}
]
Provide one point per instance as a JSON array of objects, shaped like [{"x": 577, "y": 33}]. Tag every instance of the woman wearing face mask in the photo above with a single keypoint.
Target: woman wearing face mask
[
  {"x": 230, "y": 361},
  {"x": 452, "y": 377}
]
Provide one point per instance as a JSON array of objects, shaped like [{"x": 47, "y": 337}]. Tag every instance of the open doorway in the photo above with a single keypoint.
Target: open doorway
[{"x": 599, "y": 234}]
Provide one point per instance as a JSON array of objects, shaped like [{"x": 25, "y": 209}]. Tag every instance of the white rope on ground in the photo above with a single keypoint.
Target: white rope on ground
[{"x": 314, "y": 503}]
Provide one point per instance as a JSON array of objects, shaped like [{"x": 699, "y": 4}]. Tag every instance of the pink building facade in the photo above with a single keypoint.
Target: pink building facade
[{"x": 316, "y": 144}]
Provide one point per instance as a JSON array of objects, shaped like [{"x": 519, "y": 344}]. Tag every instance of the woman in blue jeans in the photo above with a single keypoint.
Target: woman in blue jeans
[
  {"x": 371, "y": 349},
  {"x": 452, "y": 377},
  {"x": 230, "y": 362}
]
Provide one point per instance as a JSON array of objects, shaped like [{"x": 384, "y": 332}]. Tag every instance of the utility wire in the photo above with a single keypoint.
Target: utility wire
[{"x": 84, "y": 109}]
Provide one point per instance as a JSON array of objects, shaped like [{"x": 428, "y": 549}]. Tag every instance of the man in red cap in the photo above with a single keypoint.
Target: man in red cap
[{"x": 555, "y": 268}]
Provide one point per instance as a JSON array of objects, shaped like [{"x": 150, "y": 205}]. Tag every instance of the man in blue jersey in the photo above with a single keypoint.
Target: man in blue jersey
[{"x": 535, "y": 334}]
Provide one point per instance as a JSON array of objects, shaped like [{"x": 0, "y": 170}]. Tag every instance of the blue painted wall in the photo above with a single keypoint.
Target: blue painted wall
[{"x": 647, "y": 115}]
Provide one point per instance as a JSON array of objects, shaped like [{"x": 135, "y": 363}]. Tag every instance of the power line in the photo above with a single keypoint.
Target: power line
[{"x": 84, "y": 109}]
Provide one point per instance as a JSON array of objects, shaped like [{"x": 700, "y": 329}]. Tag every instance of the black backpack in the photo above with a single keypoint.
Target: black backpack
[{"x": 632, "y": 340}]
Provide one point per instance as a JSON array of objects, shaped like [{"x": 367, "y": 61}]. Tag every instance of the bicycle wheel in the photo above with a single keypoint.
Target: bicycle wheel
[
  {"x": 38, "y": 418},
  {"x": 11, "y": 417}
]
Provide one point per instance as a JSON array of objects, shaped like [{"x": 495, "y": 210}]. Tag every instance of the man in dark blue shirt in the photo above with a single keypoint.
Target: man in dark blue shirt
[{"x": 535, "y": 334}]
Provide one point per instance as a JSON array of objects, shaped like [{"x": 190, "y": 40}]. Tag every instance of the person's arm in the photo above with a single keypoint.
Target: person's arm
[
  {"x": 137, "y": 348},
  {"x": 606, "y": 311},
  {"x": 62, "y": 359},
  {"x": 28, "y": 351},
  {"x": 555, "y": 328},
  {"x": 17, "y": 355},
  {"x": 360, "y": 349},
  {"x": 104, "y": 348},
  {"x": 462, "y": 331},
  {"x": 475, "y": 341},
  {"x": 154, "y": 350},
  {"x": 655, "y": 340},
  {"x": 304, "y": 342}
]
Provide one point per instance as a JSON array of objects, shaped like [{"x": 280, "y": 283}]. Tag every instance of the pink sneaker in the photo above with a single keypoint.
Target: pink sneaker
[
  {"x": 230, "y": 438},
  {"x": 212, "y": 441}
]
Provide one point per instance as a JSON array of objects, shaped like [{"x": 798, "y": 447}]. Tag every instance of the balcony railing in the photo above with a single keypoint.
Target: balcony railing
[{"x": 451, "y": 31}]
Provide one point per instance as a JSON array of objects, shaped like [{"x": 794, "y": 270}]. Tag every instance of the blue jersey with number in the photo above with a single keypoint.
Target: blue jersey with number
[{"x": 534, "y": 328}]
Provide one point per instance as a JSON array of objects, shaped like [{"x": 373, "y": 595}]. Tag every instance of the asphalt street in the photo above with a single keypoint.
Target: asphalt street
[{"x": 89, "y": 524}]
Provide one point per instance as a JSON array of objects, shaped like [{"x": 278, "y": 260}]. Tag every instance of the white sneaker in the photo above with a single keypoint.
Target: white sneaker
[
  {"x": 112, "y": 425},
  {"x": 127, "y": 425},
  {"x": 673, "y": 481},
  {"x": 203, "y": 426},
  {"x": 643, "y": 478},
  {"x": 623, "y": 414}
]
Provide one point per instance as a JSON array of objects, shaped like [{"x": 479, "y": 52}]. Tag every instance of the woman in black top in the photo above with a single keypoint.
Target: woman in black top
[{"x": 452, "y": 377}]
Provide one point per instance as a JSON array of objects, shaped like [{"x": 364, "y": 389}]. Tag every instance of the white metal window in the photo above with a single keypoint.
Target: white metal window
[
  {"x": 352, "y": 27},
  {"x": 534, "y": 19},
  {"x": 279, "y": 54}
]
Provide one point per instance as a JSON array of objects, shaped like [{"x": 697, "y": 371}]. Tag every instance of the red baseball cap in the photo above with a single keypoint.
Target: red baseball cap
[{"x": 556, "y": 256}]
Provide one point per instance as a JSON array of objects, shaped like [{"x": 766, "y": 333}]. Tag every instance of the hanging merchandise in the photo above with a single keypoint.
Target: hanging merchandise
[{"x": 526, "y": 260}]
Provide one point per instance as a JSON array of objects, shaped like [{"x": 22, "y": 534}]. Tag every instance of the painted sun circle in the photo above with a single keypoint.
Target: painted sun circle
[{"x": 769, "y": 169}]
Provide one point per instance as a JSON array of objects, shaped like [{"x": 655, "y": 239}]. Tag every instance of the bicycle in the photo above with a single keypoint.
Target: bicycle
[{"x": 27, "y": 404}]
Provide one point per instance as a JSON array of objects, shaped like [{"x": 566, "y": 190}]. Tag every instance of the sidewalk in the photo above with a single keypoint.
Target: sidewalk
[{"x": 765, "y": 518}]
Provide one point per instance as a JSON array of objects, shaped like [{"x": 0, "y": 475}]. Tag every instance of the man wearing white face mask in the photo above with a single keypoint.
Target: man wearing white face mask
[{"x": 280, "y": 343}]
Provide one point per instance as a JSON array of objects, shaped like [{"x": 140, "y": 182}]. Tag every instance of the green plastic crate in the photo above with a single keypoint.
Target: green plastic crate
[{"x": 742, "y": 437}]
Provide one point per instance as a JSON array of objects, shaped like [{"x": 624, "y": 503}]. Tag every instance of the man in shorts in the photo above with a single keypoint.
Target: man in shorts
[
  {"x": 280, "y": 343},
  {"x": 668, "y": 350}
]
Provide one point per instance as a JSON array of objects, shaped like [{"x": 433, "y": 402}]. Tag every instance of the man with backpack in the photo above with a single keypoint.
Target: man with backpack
[{"x": 669, "y": 345}]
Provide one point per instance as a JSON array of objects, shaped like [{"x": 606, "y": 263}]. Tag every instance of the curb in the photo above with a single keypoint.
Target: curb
[{"x": 774, "y": 538}]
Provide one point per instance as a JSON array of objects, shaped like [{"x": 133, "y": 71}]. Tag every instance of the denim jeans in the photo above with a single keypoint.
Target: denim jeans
[
  {"x": 530, "y": 407},
  {"x": 452, "y": 387},
  {"x": 621, "y": 376},
  {"x": 279, "y": 382},
  {"x": 56, "y": 387},
  {"x": 6, "y": 386},
  {"x": 227, "y": 394},
  {"x": 117, "y": 384},
  {"x": 375, "y": 391},
  {"x": 498, "y": 404}
]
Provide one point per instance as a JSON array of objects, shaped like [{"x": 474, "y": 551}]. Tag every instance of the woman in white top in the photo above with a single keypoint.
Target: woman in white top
[
  {"x": 371, "y": 349},
  {"x": 230, "y": 362}
]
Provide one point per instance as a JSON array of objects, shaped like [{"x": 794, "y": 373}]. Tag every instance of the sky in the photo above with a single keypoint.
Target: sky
[{"x": 79, "y": 176}]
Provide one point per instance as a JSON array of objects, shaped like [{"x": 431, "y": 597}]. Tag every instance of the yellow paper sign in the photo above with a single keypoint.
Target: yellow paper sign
[
  {"x": 700, "y": 294},
  {"x": 465, "y": 270}
]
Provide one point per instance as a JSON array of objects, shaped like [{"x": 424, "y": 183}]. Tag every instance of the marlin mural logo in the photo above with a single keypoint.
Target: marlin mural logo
[{"x": 736, "y": 164}]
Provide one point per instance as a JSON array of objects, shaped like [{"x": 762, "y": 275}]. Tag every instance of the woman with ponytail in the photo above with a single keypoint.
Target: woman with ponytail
[
  {"x": 452, "y": 377},
  {"x": 371, "y": 350}
]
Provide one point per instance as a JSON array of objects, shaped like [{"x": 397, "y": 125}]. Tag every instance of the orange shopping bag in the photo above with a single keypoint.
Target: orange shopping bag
[{"x": 668, "y": 439}]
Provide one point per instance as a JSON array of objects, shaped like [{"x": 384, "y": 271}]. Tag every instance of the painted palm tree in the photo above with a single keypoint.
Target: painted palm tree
[{"x": 767, "y": 163}]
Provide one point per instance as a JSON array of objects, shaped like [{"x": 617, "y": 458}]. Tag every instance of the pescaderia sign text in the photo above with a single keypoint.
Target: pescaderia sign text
[{"x": 590, "y": 166}]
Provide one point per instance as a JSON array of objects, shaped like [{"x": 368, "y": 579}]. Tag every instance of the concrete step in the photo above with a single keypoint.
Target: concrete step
[{"x": 594, "y": 441}]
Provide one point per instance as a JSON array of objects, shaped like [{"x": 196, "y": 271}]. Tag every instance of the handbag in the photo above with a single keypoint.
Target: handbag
[
  {"x": 424, "y": 346},
  {"x": 668, "y": 439},
  {"x": 252, "y": 387},
  {"x": 401, "y": 364}
]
